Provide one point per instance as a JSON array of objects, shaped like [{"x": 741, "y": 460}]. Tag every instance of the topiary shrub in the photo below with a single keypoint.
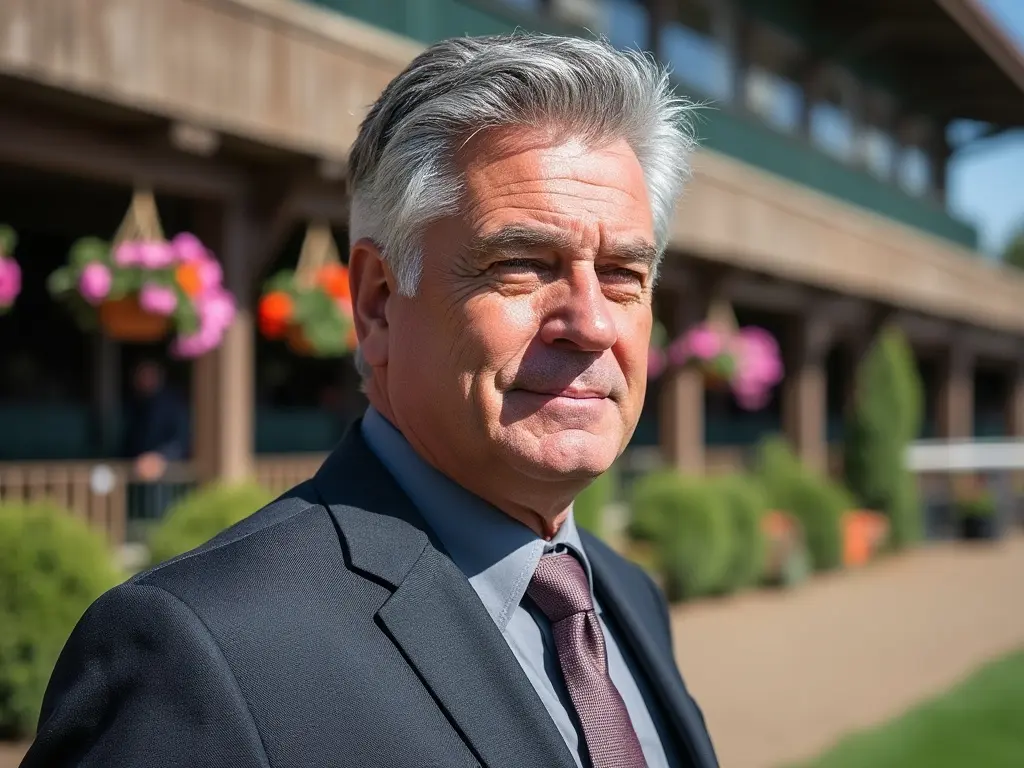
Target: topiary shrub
[
  {"x": 653, "y": 505},
  {"x": 745, "y": 505},
  {"x": 201, "y": 515},
  {"x": 814, "y": 500},
  {"x": 689, "y": 525},
  {"x": 886, "y": 416},
  {"x": 588, "y": 507},
  {"x": 52, "y": 567}
]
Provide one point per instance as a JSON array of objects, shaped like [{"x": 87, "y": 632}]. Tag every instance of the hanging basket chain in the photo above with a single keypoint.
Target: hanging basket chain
[
  {"x": 141, "y": 221},
  {"x": 319, "y": 249}
]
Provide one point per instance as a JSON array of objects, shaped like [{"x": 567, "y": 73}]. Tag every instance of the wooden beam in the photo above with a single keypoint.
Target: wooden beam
[{"x": 48, "y": 145}]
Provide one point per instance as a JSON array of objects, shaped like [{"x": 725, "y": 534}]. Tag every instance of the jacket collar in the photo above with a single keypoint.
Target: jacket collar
[{"x": 433, "y": 615}]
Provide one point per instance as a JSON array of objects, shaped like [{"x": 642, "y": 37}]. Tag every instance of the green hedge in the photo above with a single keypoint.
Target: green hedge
[
  {"x": 692, "y": 533},
  {"x": 886, "y": 416},
  {"x": 706, "y": 534},
  {"x": 52, "y": 567},
  {"x": 745, "y": 504},
  {"x": 201, "y": 515},
  {"x": 817, "y": 502}
]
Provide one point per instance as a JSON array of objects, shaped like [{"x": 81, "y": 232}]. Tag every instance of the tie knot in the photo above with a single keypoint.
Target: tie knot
[{"x": 560, "y": 587}]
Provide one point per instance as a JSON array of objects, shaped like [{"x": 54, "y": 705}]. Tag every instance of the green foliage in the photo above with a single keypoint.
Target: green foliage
[
  {"x": 325, "y": 326},
  {"x": 8, "y": 240},
  {"x": 588, "y": 508},
  {"x": 201, "y": 515},
  {"x": 886, "y": 417},
  {"x": 1014, "y": 253},
  {"x": 694, "y": 547},
  {"x": 52, "y": 567},
  {"x": 745, "y": 504},
  {"x": 982, "y": 505},
  {"x": 815, "y": 501},
  {"x": 653, "y": 505}
]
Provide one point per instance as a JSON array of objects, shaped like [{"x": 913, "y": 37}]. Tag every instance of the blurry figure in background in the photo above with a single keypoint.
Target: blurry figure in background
[{"x": 157, "y": 423}]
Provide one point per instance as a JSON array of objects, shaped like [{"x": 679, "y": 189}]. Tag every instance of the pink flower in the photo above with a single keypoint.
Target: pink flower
[
  {"x": 158, "y": 299},
  {"x": 703, "y": 342},
  {"x": 210, "y": 274},
  {"x": 127, "y": 254},
  {"x": 10, "y": 281},
  {"x": 217, "y": 309},
  {"x": 94, "y": 282},
  {"x": 156, "y": 255},
  {"x": 189, "y": 248},
  {"x": 216, "y": 312}
]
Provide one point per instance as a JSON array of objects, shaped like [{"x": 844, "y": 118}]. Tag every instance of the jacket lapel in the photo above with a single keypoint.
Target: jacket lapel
[
  {"x": 661, "y": 670},
  {"x": 434, "y": 617}
]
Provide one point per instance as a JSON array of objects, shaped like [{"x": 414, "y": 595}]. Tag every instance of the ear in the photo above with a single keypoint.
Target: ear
[{"x": 371, "y": 285}]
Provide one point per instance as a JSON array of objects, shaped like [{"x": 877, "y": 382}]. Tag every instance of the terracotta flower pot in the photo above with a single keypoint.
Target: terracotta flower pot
[
  {"x": 124, "y": 320},
  {"x": 297, "y": 341}
]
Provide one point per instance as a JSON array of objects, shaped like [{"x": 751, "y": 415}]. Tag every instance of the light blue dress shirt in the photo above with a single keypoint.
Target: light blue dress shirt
[{"x": 498, "y": 555}]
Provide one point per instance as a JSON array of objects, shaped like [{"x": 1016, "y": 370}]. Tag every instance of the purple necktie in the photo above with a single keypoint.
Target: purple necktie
[{"x": 561, "y": 590}]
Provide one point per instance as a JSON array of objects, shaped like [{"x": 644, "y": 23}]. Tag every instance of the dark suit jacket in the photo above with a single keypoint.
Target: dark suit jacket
[{"x": 328, "y": 629}]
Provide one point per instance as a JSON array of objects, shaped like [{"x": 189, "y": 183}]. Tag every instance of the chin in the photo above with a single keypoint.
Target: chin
[{"x": 568, "y": 454}]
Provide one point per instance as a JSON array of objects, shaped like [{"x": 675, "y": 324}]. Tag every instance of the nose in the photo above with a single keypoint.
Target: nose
[{"x": 581, "y": 315}]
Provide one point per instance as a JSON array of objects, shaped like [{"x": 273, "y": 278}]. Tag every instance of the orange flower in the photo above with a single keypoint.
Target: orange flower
[
  {"x": 275, "y": 310},
  {"x": 334, "y": 280},
  {"x": 190, "y": 278}
]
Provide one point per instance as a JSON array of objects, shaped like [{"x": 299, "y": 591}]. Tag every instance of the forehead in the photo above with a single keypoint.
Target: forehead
[{"x": 518, "y": 175}]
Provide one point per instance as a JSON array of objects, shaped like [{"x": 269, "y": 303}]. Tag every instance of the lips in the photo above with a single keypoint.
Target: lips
[{"x": 571, "y": 393}]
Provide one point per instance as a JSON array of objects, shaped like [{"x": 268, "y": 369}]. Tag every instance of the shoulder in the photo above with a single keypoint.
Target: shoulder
[{"x": 257, "y": 565}]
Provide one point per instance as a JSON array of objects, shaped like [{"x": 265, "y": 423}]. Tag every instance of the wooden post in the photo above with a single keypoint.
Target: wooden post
[
  {"x": 681, "y": 407},
  {"x": 224, "y": 380},
  {"x": 805, "y": 390},
  {"x": 955, "y": 403}
]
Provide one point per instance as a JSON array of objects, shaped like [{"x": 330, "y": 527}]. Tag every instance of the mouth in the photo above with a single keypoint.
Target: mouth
[{"x": 568, "y": 393}]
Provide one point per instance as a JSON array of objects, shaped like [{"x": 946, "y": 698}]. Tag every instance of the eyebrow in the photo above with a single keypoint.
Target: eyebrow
[{"x": 517, "y": 237}]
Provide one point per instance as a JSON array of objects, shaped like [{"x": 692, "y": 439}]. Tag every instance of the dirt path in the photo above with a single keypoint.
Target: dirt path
[{"x": 781, "y": 676}]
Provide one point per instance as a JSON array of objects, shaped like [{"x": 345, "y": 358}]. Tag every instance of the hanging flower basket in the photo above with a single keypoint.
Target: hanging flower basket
[
  {"x": 745, "y": 361},
  {"x": 10, "y": 272},
  {"x": 310, "y": 307},
  {"x": 141, "y": 288}
]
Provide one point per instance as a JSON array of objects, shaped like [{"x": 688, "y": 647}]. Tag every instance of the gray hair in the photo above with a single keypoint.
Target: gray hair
[{"x": 401, "y": 168}]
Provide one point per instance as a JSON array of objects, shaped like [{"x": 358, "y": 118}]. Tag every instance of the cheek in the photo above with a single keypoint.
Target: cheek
[{"x": 500, "y": 328}]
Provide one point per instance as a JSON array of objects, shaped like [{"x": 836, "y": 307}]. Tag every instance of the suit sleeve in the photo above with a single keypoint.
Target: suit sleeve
[{"x": 141, "y": 683}]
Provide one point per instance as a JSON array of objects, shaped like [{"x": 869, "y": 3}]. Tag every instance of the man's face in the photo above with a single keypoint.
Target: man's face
[{"x": 525, "y": 346}]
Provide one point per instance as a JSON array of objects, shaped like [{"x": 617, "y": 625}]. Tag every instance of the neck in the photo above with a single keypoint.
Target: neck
[{"x": 541, "y": 507}]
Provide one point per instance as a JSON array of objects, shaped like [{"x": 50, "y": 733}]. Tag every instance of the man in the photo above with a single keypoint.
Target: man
[
  {"x": 426, "y": 599},
  {"x": 157, "y": 423}
]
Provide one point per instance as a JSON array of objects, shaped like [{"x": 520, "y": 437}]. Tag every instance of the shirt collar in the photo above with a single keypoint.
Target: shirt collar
[{"x": 496, "y": 553}]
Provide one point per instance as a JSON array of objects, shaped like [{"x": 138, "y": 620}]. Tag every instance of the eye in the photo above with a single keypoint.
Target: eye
[
  {"x": 624, "y": 275},
  {"x": 520, "y": 266}
]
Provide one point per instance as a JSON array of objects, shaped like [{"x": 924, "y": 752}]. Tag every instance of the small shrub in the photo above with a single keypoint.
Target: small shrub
[
  {"x": 201, "y": 515},
  {"x": 588, "y": 507},
  {"x": 653, "y": 505},
  {"x": 689, "y": 525},
  {"x": 745, "y": 505},
  {"x": 980, "y": 505},
  {"x": 815, "y": 501},
  {"x": 52, "y": 567}
]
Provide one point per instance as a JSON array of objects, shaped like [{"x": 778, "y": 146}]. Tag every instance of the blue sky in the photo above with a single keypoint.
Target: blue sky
[{"x": 986, "y": 183}]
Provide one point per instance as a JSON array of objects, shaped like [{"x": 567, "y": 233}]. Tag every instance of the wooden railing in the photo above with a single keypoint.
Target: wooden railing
[
  {"x": 96, "y": 492},
  {"x": 279, "y": 472}
]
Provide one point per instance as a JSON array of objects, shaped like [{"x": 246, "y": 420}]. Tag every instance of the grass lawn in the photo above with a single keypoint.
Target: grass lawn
[{"x": 978, "y": 724}]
